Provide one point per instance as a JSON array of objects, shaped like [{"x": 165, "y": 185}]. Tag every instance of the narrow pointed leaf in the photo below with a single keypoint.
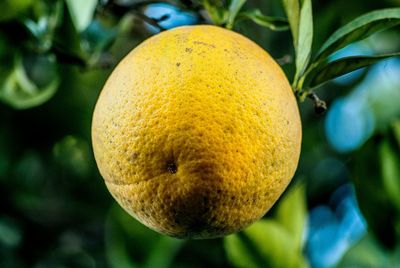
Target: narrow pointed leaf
[
  {"x": 365, "y": 253},
  {"x": 234, "y": 9},
  {"x": 239, "y": 255},
  {"x": 272, "y": 23},
  {"x": 292, "y": 9},
  {"x": 292, "y": 213},
  {"x": 345, "y": 65},
  {"x": 371, "y": 201},
  {"x": 265, "y": 243},
  {"x": 216, "y": 11},
  {"x": 67, "y": 42},
  {"x": 396, "y": 131},
  {"x": 163, "y": 252},
  {"x": 390, "y": 170},
  {"x": 305, "y": 37},
  {"x": 360, "y": 28},
  {"x": 274, "y": 244},
  {"x": 116, "y": 248},
  {"x": 20, "y": 92},
  {"x": 81, "y": 12}
]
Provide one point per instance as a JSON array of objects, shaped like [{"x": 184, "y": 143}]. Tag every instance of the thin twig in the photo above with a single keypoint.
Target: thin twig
[
  {"x": 151, "y": 21},
  {"x": 320, "y": 106},
  {"x": 119, "y": 10}
]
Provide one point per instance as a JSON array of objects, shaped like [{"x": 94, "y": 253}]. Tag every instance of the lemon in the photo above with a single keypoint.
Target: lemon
[{"x": 197, "y": 132}]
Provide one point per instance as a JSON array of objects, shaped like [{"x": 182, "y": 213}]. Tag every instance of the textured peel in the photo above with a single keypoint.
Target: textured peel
[{"x": 197, "y": 132}]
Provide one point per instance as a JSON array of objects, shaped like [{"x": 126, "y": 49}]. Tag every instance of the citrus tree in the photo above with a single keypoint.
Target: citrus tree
[{"x": 342, "y": 207}]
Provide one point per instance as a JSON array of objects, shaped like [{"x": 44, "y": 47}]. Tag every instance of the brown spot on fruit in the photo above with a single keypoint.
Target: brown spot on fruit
[{"x": 172, "y": 168}]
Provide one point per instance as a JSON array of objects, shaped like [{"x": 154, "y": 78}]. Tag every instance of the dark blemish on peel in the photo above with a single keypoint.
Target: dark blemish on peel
[
  {"x": 133, "y": 157},
  {"x": 189, "y": 50},
  {"x": 203, "y": 43},
  {"x": 172, "y": 168},
  {"x": 178, "y": 64}
]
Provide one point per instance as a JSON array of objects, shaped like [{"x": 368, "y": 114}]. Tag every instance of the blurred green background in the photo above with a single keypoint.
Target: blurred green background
[{"x": 341, "y": 210}]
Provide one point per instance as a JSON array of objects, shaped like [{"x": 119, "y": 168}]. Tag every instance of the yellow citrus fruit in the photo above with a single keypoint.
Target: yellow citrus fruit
[{"x": 197, "y": 132}]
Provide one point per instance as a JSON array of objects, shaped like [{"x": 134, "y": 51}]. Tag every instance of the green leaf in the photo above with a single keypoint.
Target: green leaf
[
  {"x": 396, "y": 131},
  {"x": 375, "y": 204},
  {"x": 343, "y": 66},
  {"x": 237, "y": 252},
  {"x": 164, "y": 252},
  {"x": 12, "y": 8},
  {"x": 292, "y": 9},
  {"x": 305, "y": 37},
  {"x": 43, "y": 28},
  {"x": 20, "y": 92},
  {"x": 300, "y": 18},
  {"x": 366, "y": 253},
  {"x": 360, "y": 28},
  {"x": 234, "y": 9},
  {"x": 292, "y": 213},
  {"x": 122, "y": 250},
  {"x": 272, "y": 23},
  {"x": 275, "y": 244},
  {"x": 81, "y": 12},
  {"x": 116, "y": 250},
  {"x": 266, "y": 243},
  {"x": 67, "y": 42},
  {"x": 216, "y": 11},
  {"x": 389, "y": 157}
]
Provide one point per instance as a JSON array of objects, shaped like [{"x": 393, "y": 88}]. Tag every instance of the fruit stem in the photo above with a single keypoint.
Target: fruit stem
[{"x": 320, "y": 106}]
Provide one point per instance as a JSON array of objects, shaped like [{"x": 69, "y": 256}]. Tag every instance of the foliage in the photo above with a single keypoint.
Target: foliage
[
  {"x": 273, "y": 242},
  {"x": 55, "y": 57}
]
